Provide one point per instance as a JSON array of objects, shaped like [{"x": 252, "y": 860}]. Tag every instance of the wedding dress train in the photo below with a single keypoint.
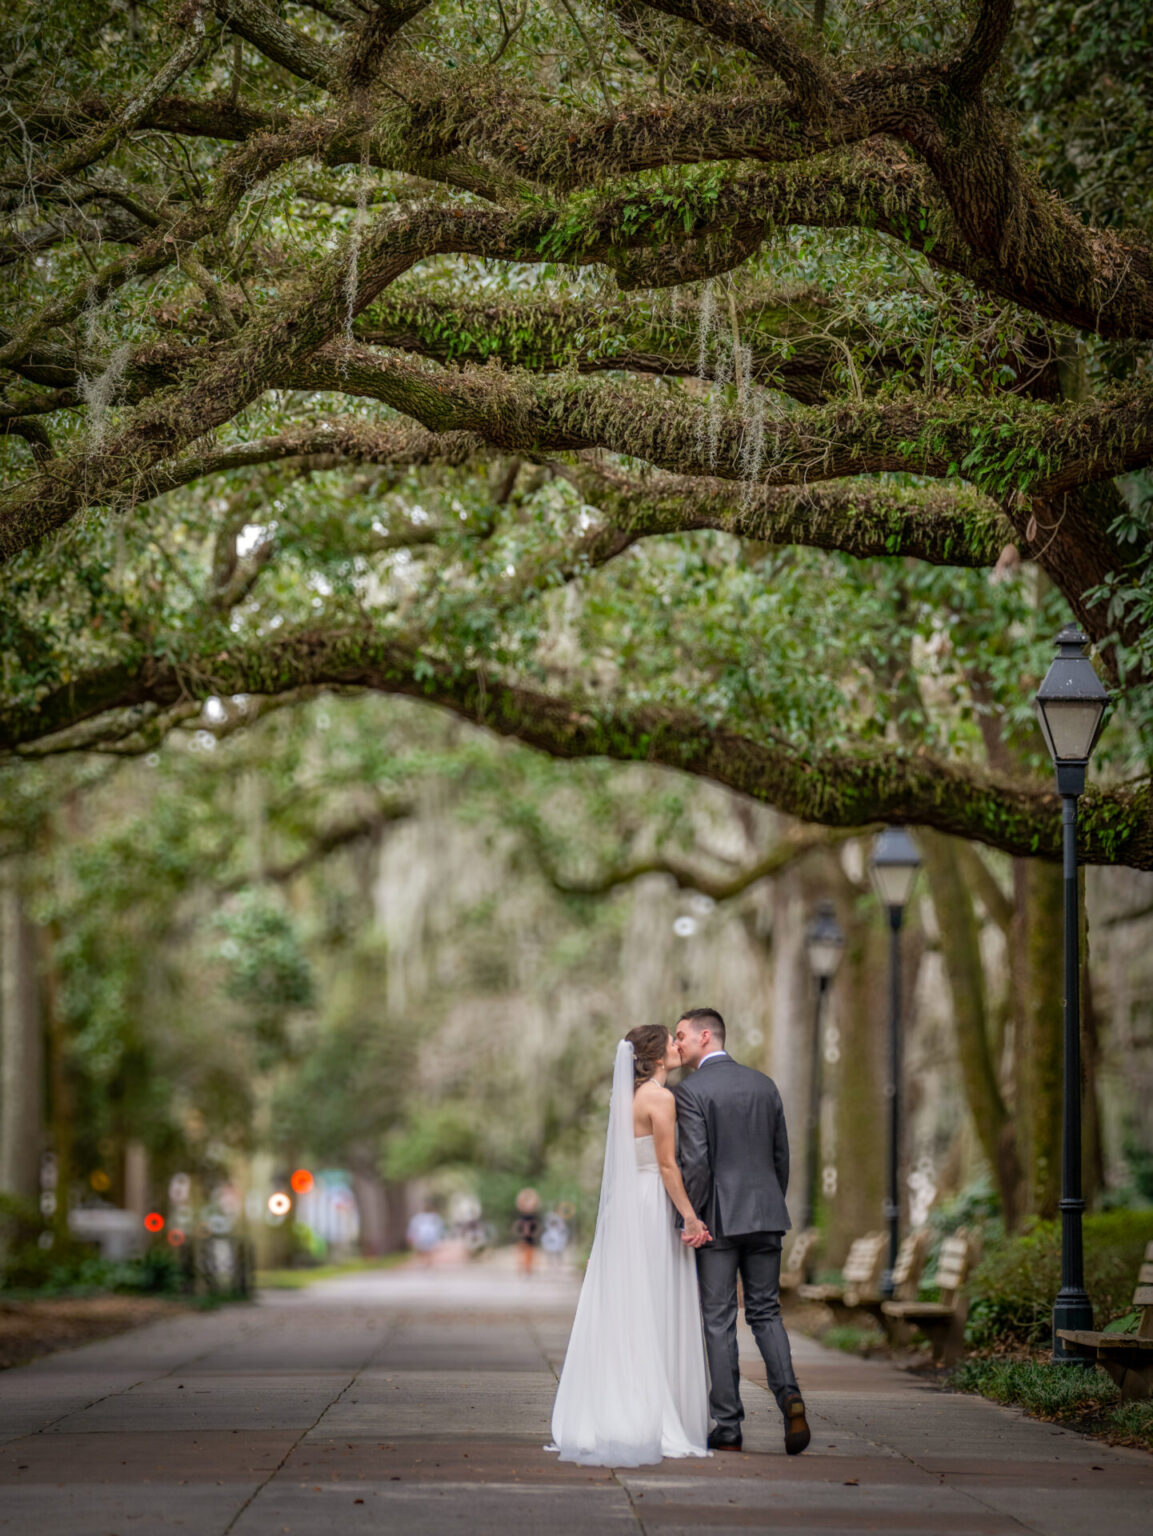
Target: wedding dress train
[{"x": 634, "y": 1387}]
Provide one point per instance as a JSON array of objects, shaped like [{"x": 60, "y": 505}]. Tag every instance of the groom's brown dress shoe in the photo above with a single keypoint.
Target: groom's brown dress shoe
[
  {"x": 719, "y": 1442},
  {"x": 797, "y": 1432}
]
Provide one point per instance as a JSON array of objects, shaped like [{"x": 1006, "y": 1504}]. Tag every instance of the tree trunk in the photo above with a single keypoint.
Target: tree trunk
[
  {"x": 861, "y": 988},
  {"x": 1092, "y": 1150},
  {"x": 961, "y": 951},
  {"x": 790, "y": 1034},
  {"x": 398, "y": 1206},
  {"x": 377, "y": 1235},
  {"x": 136, "y": 1178},
  {"x": 1038, "y": 978},
  {"x": 21, "y": 1044},
  {"x": 61, "y": 1111}
]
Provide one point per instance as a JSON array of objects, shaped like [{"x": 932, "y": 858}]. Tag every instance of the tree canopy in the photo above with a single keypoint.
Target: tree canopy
[{"x": 751, "y": 390}]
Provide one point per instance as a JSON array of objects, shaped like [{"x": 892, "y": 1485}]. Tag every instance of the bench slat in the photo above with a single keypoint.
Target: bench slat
[
  {"x": 864, "y": 1251},
  {"x": 802, "y": 1246},
  {"x": 916, "y": 1309},
  {"x": 1143, "y": 1296},
  {"x": 906, "y": 1258},
  {"x": 1145, "y": 1275},
  {"x": 1106, "y": 1341},
  {"x": 1149, "y": 1253},
  {"x": 820, "y": 1292}
]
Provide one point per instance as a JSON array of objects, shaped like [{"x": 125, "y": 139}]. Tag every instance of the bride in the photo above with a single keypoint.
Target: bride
[{"x": 634, "y": 1387}]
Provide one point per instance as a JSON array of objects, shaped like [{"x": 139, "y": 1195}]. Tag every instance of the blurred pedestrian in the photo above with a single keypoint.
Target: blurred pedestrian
[
  {"x": 526, "y": 1227},
  {"x": 554, "y": 1238},
  {"x": 425, "y": 1234}
]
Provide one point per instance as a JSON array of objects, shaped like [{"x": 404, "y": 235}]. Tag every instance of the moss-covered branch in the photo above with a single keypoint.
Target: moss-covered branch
[
  {"x": 689, "y": 876},
  {"x": 331, "y": 445},
  {"x": 795, "y": 341},
  {"x": 1052, "y": 447},
  {"x": 836, "y": 789},
  {"x": 282, "y": 43},
  {"x": 867, "y": 518},
  {"x": 967, "y": 199}
]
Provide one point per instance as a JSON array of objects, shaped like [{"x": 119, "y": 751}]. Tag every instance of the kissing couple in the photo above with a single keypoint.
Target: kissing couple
[{"x": 693, "y": 1195}]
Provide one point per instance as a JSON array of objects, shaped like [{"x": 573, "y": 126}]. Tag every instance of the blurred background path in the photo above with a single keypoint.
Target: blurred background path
[{"x": 417, "y": 1400}]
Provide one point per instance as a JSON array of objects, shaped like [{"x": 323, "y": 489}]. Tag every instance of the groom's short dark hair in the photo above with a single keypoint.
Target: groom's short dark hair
[{"x": 705, "y": 1018}]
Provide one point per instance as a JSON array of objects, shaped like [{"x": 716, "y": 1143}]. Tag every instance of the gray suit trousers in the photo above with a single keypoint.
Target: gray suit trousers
[{"x": 756, "y": 1257}]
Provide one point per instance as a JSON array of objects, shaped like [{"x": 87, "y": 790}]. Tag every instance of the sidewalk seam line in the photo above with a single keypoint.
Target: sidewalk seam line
[{"x": 261, "y": 1486}]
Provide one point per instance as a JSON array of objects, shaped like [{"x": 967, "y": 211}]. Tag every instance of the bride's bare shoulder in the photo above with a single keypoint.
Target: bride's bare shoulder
[
  {"x": 653, "y": 1090},
  {"x": 656, "y": 1097}
]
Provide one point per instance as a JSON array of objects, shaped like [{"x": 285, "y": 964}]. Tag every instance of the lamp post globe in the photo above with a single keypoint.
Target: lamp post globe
[
  {"x": 824, "y": 945},
  {"x": 1071, "y": 704},
  {"x": 824, "y": 942},
  {"x": 893, "y": 865}
]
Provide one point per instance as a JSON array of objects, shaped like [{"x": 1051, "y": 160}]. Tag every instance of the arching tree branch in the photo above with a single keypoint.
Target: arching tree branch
[
  {"x": 690, "y": 877},
  {"x": 836, "y": 789}
]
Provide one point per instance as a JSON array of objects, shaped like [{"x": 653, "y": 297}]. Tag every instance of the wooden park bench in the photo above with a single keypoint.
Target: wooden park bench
[
  {"x": 911, "y": 1256},
  {"x": 942, "y": 1322},
  {"x": 797, "y": 1261},
  {"x": 860, "y": 1278},
  {"x": 860, "y": 1290},
  {"x": 1128, "y": 1357}
]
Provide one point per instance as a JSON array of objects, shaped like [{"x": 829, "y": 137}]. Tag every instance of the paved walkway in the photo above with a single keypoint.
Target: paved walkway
[{"x": 418, "y": 1402}]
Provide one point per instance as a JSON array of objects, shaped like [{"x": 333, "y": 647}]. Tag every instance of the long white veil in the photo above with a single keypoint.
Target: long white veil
[{"x": 613, "y": 1391}]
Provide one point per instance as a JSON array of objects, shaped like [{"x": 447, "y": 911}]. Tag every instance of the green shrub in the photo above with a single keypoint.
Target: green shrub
[
  {"x": 1013, "y": 1287},
  {"x": 72, "y": 1269},
  {"x": 30, "y": 1251}
]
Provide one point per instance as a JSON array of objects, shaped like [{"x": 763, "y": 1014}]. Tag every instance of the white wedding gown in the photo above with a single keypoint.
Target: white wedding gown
[{"x": 634, "y": 1387}]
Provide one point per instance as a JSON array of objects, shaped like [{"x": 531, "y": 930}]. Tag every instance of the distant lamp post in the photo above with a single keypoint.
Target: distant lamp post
[
  {"x": 825, "y": 943},
  {"x": 1071, "y": 705},
  {"x": 893, "y": 866}
]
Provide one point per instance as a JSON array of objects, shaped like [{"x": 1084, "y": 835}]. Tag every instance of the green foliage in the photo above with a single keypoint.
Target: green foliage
[
  {"x": 1139, "y": 1159},
  {"x": 265, "y": 968},
  {"x": 976, "y": 1206},
  {"x": 438, "y": 1137},
  {"x": 1014, "y": 1286},
  {"x": 72, "y": 1270},
  {"x": 1080, "y": 82},
  {"x": 353, "y": 1077}
]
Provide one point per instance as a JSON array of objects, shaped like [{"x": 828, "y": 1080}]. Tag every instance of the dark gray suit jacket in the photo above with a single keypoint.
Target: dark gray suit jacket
[{"x": 733, "y": 1148}]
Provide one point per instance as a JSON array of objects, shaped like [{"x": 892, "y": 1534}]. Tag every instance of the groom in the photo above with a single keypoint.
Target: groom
[{"x": 734, "y": 1158}]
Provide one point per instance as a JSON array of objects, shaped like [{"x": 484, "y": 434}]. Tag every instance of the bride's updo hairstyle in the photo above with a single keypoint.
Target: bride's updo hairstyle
[{"x": 650, "y": 1043}]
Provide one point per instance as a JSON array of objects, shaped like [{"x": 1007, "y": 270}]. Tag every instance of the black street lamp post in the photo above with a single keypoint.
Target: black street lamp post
[
  {"x": 1071, "y": 709},
  {"x": 893, "y": 865},
  {"x": 825, "y": 943}
]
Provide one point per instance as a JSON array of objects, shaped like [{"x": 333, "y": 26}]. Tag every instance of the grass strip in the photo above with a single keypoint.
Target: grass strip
[
  {"x": 297, "y": 1279},
  {"x": 1084, "y": 1398}
]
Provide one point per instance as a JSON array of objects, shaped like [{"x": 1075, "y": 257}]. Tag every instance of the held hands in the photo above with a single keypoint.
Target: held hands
[{"x": 695, "y": 1234}]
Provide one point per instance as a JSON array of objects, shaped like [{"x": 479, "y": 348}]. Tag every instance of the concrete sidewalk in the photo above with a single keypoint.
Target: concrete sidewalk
[{"x": 418, "y": 1401}]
